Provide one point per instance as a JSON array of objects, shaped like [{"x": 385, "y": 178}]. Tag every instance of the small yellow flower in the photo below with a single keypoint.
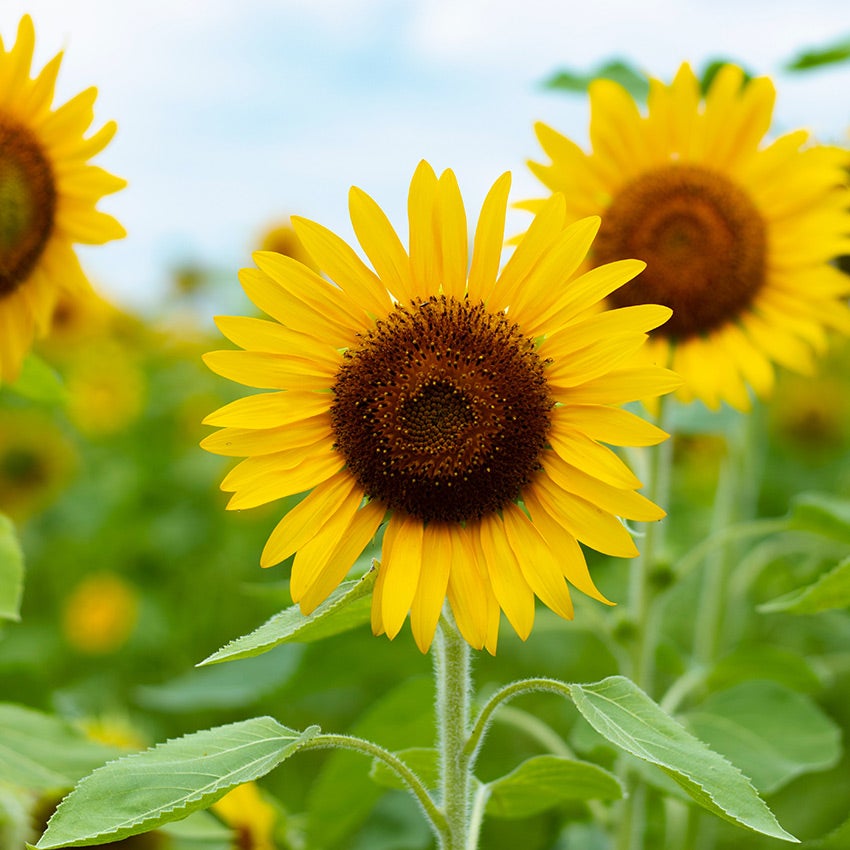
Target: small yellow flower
[
  {"x": 737, "y": 236},
  {"x": 244, "y": 810},
  {"x": 48, "y": 196},
  {"x": 100, "y": 614},
  {"x": 464, "y": 407},
  {"x": 282, "y": 239},
  {"x": 106, "y": 388},
  {"x": 36, "y": 462}
]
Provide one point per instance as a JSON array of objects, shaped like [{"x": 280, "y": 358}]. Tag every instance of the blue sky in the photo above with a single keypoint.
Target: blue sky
[{"x": 234, "y": 114}]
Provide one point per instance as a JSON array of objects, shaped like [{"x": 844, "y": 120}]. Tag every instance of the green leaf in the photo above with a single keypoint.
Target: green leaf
[
  {"x": 632, "y": 80},
  {"x": 818, "y": 57},
  {"x": 823, "y": 514},
  {"x": 346, "y": 608},
  {"x": 221, "y": 687},
  {"x": 44, "y": 753},
  {"x": 38, "y": 382},
  {"x": 627, "y": 717},
  {"x": 542, "y": 782},
  {"x": 830, "y": 591},
  {"x": 772, "y": 733},
  {"x": 140, "y": 792},
  {"x": 423, "y": 761},
  {"x": 764, "y": 661},
  {"x": 11, "y": 571}
]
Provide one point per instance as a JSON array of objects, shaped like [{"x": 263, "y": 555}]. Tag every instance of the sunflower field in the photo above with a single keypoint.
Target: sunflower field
[{"x": 450, "y": 535}]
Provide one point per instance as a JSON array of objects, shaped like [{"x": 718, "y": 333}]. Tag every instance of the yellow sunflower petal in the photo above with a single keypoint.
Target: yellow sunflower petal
[
  {"x": 343, "y": 266},
  {"x": 402, "y": 563},
  {"x": 360, "y": 532},
  {"x": 580, "y": 450},
  {"x": 467, "y": 589},
  {"x": 453, "y": 242},
  {"x": 267, "y": 478},
  {"x": 538, "y": 562},
  {"x": 610, "y": 425},
  {"x": 303, "y": 522},
  {"x": 573, "y": 565},
  {"x": 509, "y": 585},
  {"x": 489, "y": 236},
  {"x": 425, "y": 250},
  {"x": 381, "y": 244},
  {"x": 433, "y": 584},
  {"x": 269, "y": 410}
]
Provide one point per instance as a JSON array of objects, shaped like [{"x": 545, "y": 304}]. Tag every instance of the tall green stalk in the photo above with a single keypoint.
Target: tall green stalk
[{"x": 452, "y": 675}]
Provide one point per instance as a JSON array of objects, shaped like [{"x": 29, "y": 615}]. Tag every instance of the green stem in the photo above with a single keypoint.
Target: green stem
[
  {"x": 476, "y": 818},
  {"x": 645, "y": 617},
  {"x": 503, "y": 695},
  {"x": 451, "y": 670},
  {"x": 435, "y": 817},
  {"x": 657, "y": 488}
]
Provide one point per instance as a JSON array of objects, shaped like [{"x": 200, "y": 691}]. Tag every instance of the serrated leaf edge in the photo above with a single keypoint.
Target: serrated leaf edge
[{"x": 309, "y": 732}]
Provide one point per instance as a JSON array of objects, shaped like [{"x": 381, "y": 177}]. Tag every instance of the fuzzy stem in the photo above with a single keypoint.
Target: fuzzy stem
[
  {"x": 452, "y": 674},
  {"x": 433, "y": 815}
]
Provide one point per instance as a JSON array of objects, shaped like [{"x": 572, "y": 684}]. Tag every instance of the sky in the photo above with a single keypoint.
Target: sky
[{"x": 234, "y": 114}]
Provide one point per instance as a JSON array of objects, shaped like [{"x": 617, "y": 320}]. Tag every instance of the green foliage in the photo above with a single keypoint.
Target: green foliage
[
  {"x": 618, "y": 70},
  {"x": 43, "y": 753},
  {"x": 39, "y": 382},
  {"x": 221, "y": 687},
  {"x": 143, "y": 791},
  {"x": 818, "y": 57},
  {"x": 421, "y": 760},
  {"x": 346, "y": 608},
  {"x": 11, "y": 571},
  {"x": 627, "y": 717},
  {"x": 342, "y": 796},
  {"x": 823, "y": 514},
  {"x": 830, "y": 591},
  {"x": 770, "y": 732},
  {"x": 542, "y": 782}
]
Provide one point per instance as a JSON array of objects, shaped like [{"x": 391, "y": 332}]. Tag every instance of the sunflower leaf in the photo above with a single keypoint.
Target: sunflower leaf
[
  {"x": 830, "y": 591},
  {"x": 542, "y": 782},
  {"x": 822, "y": 514},
  {"x": 346, "y": 608},
  {"x": 11, "y": 571},
  {"x": 632, "y": 80},
  {"x": 140, "y": 792},
  {"x": 773, "y": 733},
  {"x": 423, "y": 761},
  {"x": 44, "y": 753},
  {"x": 627, "y": 717},
  {"x": 817, "y": 57}
]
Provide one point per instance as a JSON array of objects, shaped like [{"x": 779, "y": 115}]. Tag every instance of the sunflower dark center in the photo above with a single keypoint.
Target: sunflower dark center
[
  {"x": 702, "y": 238},
  {"x": 27, "y": 204},
  {"x": 442, "y": 410}
]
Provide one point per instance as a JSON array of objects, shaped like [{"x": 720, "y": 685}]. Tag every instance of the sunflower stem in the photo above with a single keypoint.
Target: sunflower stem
[
  {"x": 453, "y": 684},
  {"x": 735, "y": 500},
  {"x": 645, "y": 616},
  {"x": 433, "y": 815}
]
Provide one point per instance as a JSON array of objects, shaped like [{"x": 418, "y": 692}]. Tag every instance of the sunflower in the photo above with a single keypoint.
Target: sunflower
[
  {"x": 466, "y": 408},
  {"x": 737, "y": 236},
  {"x": 48, "y": 194}
]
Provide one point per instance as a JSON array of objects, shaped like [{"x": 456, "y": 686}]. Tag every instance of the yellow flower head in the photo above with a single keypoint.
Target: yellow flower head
[
  {"x": 37, "y": 461},
  {"x": 737, "y": 236},
  {"x": 282, "y": 239},
  {"x": 100, "y": 614},
  {"x": 463, "y": 406},
  {"x": 245, "y": 811},
  {"x": 48, "y": 195}
]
